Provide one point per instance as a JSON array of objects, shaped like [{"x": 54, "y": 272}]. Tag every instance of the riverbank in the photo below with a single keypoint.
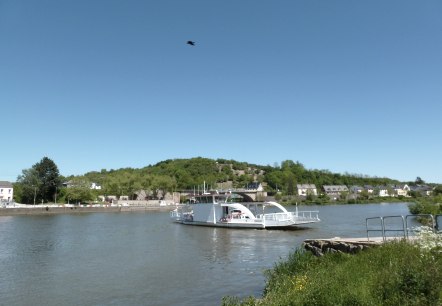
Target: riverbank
[
  {"x": 398, "y": 273},
  {"x": 324, "y": 202},
  {"x": 52, "y": 209}
]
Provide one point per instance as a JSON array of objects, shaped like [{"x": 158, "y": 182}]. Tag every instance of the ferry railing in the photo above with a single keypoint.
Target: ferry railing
[
  {"x": 306, "y": 215},
  {"x": 382, "y": 228},
  {"x": 300, "y": 216},
  {"x": 277, "y": 217}
]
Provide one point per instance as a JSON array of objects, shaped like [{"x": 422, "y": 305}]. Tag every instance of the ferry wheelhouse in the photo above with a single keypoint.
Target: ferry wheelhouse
[{"x": 219, "y": 210}]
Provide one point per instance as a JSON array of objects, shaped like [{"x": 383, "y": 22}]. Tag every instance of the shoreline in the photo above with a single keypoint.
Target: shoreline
[{"x": 55, "y": 210}]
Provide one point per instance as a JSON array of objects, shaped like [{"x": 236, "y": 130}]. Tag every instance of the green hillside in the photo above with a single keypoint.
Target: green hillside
[
  {"x": 176, "y": 175},
  {"x": 182, "y": 174}
]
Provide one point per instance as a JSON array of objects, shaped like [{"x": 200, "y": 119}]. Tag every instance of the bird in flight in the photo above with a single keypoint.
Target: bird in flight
[{"x": 192, "y": 43}]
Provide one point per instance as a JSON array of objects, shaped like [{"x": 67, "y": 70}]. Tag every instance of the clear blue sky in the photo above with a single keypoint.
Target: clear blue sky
[{"x": 348, "y": 86}]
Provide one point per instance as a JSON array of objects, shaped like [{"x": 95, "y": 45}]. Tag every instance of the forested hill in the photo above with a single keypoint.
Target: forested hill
[{"x": 179, "y": 174}]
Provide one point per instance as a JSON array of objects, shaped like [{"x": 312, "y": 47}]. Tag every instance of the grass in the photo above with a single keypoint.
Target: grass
[{"x": 397, "y": 273}]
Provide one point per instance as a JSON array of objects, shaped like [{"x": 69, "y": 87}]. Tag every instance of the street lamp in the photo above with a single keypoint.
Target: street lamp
[{"x": 35, "y": 193}]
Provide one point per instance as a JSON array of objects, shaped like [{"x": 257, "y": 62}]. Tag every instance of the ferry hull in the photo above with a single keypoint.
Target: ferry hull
[
  {"x": 245, "y": 225},
  {"x": 226, "y": 225}
]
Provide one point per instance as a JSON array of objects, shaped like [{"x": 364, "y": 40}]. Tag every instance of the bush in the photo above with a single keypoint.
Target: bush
[{"x": 426, "y": 207}]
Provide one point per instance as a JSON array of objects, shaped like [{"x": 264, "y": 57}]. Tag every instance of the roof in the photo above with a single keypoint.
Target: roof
[
  {"x": 356, "y": 188},
  {"x": 335, "y": 188},
  {"x": 5, "y": 184},
  {"x": 306, "y": 186},
  {"x": 421, "y": 188}
]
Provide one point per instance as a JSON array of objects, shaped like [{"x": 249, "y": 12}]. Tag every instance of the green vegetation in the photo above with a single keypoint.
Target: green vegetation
[
  {"x": 281, "y": 177},
  {"x": 395, "y": 274},
  {"x": 428, "y": 205},
  {"x": 187, "y": 174},
  {"x": 39, "y": 183}
]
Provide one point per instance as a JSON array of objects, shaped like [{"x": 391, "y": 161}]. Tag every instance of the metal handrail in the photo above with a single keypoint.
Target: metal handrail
[
  {"x": 383, "y": 229},
  {"x": 436, "y": 224},
  {"x": 370, "y": 230}
]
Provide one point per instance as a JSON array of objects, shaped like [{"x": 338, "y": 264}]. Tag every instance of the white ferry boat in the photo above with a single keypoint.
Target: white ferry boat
[{"x": 218, "y": 210}]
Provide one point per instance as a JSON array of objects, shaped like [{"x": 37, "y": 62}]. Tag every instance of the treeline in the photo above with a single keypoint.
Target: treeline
[
  {"x": 43, "y": 183},
  {"x": 289, "y": 173}
]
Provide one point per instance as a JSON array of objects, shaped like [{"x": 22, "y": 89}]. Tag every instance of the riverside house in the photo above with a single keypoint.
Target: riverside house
[
  {"x": 422, "y": 189},
  {"x": 334, "y": 191},
  {"x": 401, "y": 190},
  {"x": 306, "y": 189},
  {"x": 369, "y": 188},
  {"x": 6, "y": 191},
  {"x": 382, "y": 191},
  {"x": 356, "y": 189}
]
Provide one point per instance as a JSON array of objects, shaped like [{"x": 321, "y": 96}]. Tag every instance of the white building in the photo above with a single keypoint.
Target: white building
[
  {"x": 383, "y": 191},
  {"x": 306, "y": 189},
  {"x": 401, "y": 190},
  {"x": 95, "y": 186},
  {"x": 6, "y": 191},
  {"x": 334, "y": 191}
]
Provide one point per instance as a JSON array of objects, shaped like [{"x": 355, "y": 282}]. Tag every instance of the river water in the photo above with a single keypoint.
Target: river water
[{"x": 144, "y": 259}]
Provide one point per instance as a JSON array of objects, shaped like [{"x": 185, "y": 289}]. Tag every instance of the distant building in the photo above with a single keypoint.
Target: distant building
[
  {"x": 256, "y": 186},
  {"x": 382, "y": 191},
  {"x": 401, "y": 190},
  {"x": 70, "y": 184},
  {"x": 369, "y": 188},
  {"x": 111, "y": 198},
  {"x": 422, "y": 189},
  {"x": 334, "y": 191},
  {"x": 6, "y": 191},
  {"x": 356, "y": 189},
  {"x": 306, "y": 189},
  {"x": 95, "y": 186}
]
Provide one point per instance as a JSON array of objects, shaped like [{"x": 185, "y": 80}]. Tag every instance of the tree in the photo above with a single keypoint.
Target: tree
[
  {"x": 437, "y": 190},
  {"x": 291, "y": 184},
  {"x": 78, "y": 191},
  {"x": 30, "y": 186},
  {"x": 40, "y": 182},
  {"x": 419, "y": 181},
  {"x": 49, "y": 177}
]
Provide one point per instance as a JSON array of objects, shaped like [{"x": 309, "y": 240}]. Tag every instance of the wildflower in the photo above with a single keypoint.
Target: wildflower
[
  {"x": 428, "y": 240},
  {"x": 299, "y": 282}
]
